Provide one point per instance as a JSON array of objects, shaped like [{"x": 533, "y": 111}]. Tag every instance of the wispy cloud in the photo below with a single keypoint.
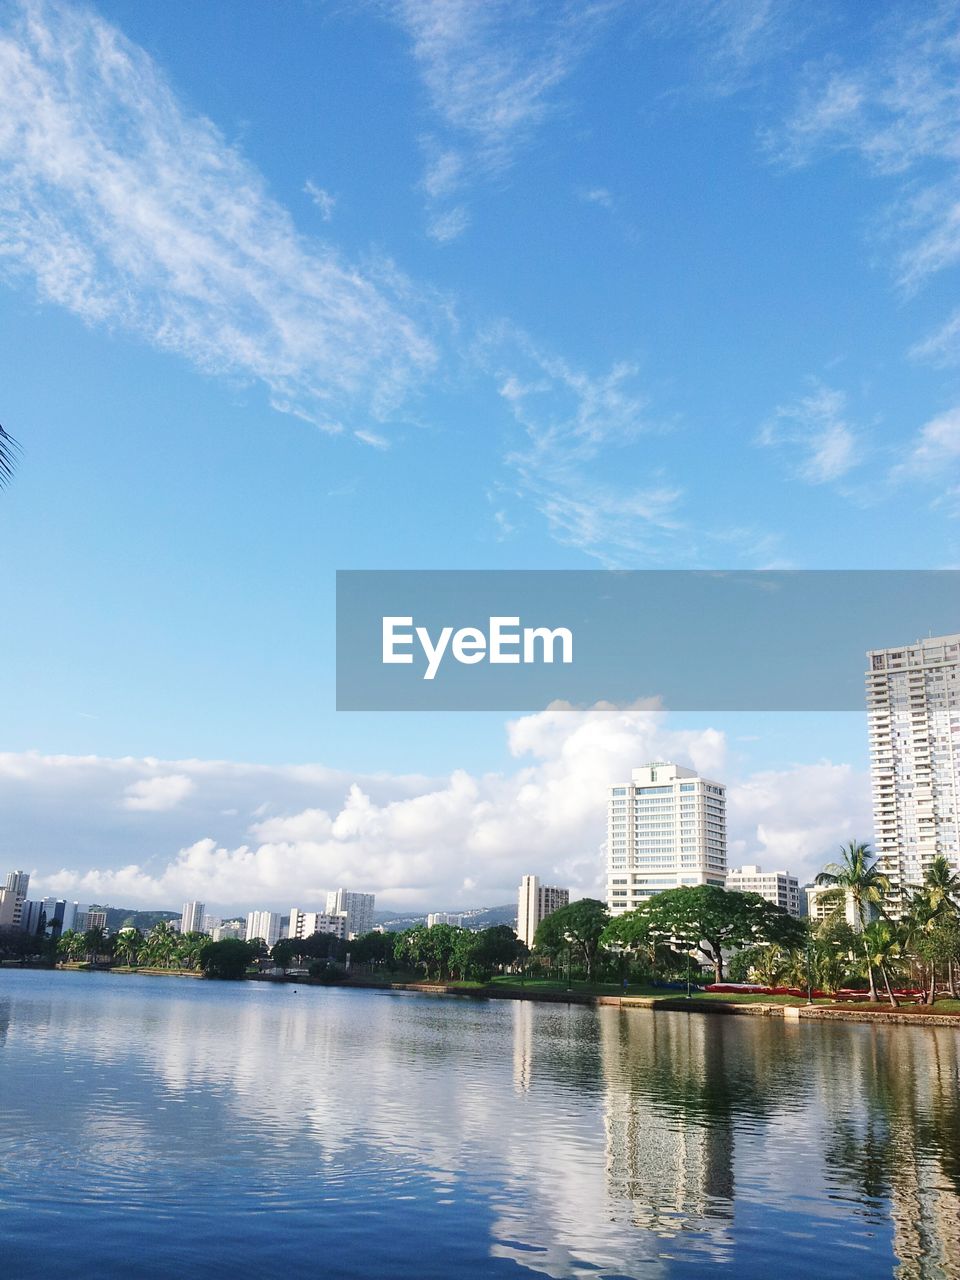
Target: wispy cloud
[
  {"x": 935, "y": 450},
  {"x": 573, "y": 422},
  {"x": 899, "y": 111},
  {"x": 324, "y": 201},
  {"x": 490, "y": 69},
  {"x": 816, "y": 429},
  {"x": 131, "y": 211}
]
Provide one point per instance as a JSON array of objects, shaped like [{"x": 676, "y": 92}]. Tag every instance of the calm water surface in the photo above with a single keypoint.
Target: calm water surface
[{"x": 155, "y": 1127}]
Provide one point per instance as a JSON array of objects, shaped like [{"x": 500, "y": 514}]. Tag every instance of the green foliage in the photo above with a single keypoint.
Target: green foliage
[
  {"x": 705, "y": 918},
  {"x": 578, "y": 927},
  {"x": 226, "y": 959}
]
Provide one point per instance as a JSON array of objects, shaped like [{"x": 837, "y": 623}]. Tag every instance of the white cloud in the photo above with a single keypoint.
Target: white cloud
[
  {"x": 935, "y": 451},
  {"x": 247, "y": 835},
  {"x": 324, "y": 201},
  {"x": 132, "y": 212},
  {"x": 154, "y": 795},
  {"x": 490, "y": 70},
  {"x": 899, "y": 111},
  {"x": 816, "y": 427}
]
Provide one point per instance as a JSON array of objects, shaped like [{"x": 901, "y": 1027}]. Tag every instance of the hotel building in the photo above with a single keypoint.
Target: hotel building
[
  {"x": 667, "y": 827},
  {"x": 913, "y": 709},
  {"x": 779, "y": 887}
]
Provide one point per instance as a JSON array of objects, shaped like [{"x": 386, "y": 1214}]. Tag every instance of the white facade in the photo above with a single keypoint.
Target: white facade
[
  {"x": 821, "y": 907},
  {"x": 12, "y": 897},
  {"x": 443, "y": 917},
  {"x": 913, "y": 708},
  {"x": 265, "y": 925},
  {"x": 228, "y": 929},
  {"x": 535, "y": 902},
  {"x": 303, "y": 924},
  {"x": 779, "y": 887},
  {"x": 61, "y": 915},
  {"x": 666, "y": 828},
  {"x": 191, "y": 918},
  {"x": 357, "y": 907}
]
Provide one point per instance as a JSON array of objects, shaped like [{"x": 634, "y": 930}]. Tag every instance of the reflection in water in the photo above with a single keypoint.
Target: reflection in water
[{"x": 409, "y": 1136}]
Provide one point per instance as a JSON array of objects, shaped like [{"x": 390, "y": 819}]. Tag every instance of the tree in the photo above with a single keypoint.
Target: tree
[
  {"x": 95, "y": 943},
  {"x": 856, "y": 874},
  {"x": 579, "y": 925},
  {"x": 883, "y": 944},
  {"x": 707, "y": 918},
  {"x": 227, "y": 959},
  {"x": 432, "y": 949},
  {"x": 128, "y": 945}
]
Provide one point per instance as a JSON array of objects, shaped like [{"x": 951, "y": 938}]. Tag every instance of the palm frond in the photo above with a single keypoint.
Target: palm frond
[{"x": 9, "y": 449}]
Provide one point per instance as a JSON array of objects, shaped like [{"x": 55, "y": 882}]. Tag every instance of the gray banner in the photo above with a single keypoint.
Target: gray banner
[{"x": 479, "y": 640}]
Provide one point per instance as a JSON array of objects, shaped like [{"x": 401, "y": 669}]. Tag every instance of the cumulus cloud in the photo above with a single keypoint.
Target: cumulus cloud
[
  {"x": 815, "y": 427},
  {"x": 244, "y": 836},
  {"x": 126, "y": 208}
]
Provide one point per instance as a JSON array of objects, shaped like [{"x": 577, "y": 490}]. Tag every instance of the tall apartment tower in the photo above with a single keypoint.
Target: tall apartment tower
[
  {"x": 667, "y": 827},
  {"x": 913, "y": 710},
  {"x": 191, "y": 919},
  {"x": 265, "y": 925},
  {"x": 12, "y": 897},
  {"x": 357, "y": 907},
  {"x": 535, "y": 902}
]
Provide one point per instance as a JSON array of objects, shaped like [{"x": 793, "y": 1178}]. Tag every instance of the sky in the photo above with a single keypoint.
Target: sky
[{"x": 308, "y": 286}]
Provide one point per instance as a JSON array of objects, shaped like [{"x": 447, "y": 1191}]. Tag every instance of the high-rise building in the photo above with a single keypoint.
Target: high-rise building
[
  {"x": 779, "y": 887},
  {"x": 265, "y": 925},
  {"x": 12, "y": 897},
  {"x": 303, "y": 924},
  {"x": 357, "y": 907},
  {"x": 913, "y": 709},
  {"x": 87, "y": 917},
  {"x": 443, "y": 917},
  {"x": 61, "y": 916},
  {"x": 535, "y": 902},
  {"x": 825, "y": 902},
  {"x": 667, "y": 827},
  {"x": 191, "y": 918}
]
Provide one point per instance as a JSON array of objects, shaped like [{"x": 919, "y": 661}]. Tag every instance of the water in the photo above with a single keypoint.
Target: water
[{"x": 154, "y": 1127}]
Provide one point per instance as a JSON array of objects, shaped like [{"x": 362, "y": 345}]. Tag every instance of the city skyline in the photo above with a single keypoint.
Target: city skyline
[{"x": 766, "y": 297}]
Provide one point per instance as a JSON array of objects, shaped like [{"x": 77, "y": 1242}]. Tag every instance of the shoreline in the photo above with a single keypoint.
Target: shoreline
[{"x": 906, "y": 1015}]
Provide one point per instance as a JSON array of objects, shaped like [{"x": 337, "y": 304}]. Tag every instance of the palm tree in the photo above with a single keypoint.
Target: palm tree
[
  {"x": 883, "y": 946},
  {"x": 8, "y": 456},
  {"x": 129, "y": 944},
  {"x": 941, "y": 887},
  {"x": 161, "y": 944},
  {"x": 856, "y": 874}
]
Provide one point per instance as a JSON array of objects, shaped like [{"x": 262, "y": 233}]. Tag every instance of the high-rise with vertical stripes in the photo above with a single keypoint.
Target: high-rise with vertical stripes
[{"x": 913, "y": 709}]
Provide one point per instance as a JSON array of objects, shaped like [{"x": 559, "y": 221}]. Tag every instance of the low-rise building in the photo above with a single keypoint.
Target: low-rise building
[
  {"x": 303, "y": 924},
  {"x": 443, "y": 917},
  {"x": 824, "y": 900},
  {"x": 779, "y": 887}
]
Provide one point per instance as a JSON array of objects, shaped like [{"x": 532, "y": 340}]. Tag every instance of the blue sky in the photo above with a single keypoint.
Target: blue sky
[{"x": 307, "y": 286}]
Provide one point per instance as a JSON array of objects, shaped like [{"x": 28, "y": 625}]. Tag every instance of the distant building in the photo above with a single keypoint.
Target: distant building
[
  {"x": 779, "y": 887},
  {"x": 228, "y": 929},
  {"x": 12, "y": 897},
  {"x": 61, "y": 916},
  {"x": 357, "y": 907},
  {"x": 89, "y": 918},
  {"x": 667, "y": 827},
  {"x": 443, "y": 917},
  {"x": 535, "y": 902},
  {"x": 303, "y": 924},
  {"x": 191, "y": 918},
  {"x": 265, "y": 925},
  {"x": 31, "y": 917},
  {"x": 913, "y": 711},
  {"x": 823, "y": 902}
]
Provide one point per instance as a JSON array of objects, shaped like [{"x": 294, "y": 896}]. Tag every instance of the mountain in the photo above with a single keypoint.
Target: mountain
[{"x": 473, "y": 918}]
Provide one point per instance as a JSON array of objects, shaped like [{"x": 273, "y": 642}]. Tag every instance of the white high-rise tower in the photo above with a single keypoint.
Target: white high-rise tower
[
  {"x": 667, "y": 828},
  {"x": 913, "y": 708}
]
